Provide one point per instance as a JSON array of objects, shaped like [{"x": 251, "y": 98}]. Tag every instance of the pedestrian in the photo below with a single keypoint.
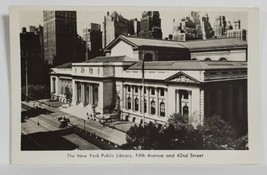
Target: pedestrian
[{"x": 38, "y": 123}]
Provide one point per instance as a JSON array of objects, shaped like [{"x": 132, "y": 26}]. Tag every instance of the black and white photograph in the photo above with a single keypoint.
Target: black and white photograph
[{"x": 139, "y": 79}]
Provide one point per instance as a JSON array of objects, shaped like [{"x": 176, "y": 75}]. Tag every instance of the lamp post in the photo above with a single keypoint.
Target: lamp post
[{"x": 84, "y": 124}]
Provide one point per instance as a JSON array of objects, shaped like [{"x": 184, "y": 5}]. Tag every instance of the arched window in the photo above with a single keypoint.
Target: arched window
[
  {"x": 185, "y": 111},
  {"x": 136, "y": 104},
  {"x": 222, "y": 59},
  {"x": 148, "y": 57},
  {"x": 162, "y": 109},
  {"x": 207, "y": 59},
  {"x": 145, "y": 105},
  {"x": 153, "y": 107},
  {"x": 129, "y": 103}
]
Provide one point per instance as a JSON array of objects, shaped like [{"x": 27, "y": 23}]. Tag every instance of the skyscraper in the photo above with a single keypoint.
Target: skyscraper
[
  {"x": 219, "y": 27},
  {"x": 150, "y": 25},
  {"x": 31, "y": 56},
  {"x": 189, "y": 28},
  {"x": 133, "y": 27},
  {"x": 114, "y": 25},
  {"x": 207, "y": 31},
  {"x": 237, "y": 32},
  {"x": 61, "y": 42}
]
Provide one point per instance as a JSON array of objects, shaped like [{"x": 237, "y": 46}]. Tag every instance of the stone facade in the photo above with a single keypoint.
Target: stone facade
[{"x": 174, "y": 87}]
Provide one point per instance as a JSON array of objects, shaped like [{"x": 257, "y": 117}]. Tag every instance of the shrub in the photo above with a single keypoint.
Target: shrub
[{"x": 217, "y": 133}]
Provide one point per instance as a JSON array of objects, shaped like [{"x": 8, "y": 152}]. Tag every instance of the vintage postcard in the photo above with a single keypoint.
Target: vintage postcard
[{"x": 134, "y": 85}]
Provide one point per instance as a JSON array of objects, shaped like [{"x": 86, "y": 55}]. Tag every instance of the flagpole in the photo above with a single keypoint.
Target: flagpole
[{"x": 143, "y": 88}]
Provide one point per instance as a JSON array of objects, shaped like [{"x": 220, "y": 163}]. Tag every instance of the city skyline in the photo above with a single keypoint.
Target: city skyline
[{"x": 84, "y": 18}]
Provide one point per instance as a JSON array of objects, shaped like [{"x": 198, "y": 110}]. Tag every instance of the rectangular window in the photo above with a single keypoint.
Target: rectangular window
[
  {"x": 161, "y": 92},
  {"x": 144, "y": 90},
  {"x": 136, "y": 89},
  {"x": 129, "y": 88},
  {"x": 152, "y": 91}
]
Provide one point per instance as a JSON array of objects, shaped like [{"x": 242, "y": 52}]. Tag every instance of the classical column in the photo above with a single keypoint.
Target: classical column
[
  {"x": 52, "y": 85},
  {"x": 57, "y": 86},
  {"x": 157, "y": 101},
  {"x": 201, "y": 107},
  {"x": 166, "y": 101},
  {"x": 132, "y": 98},
  {"x": 140, "y": 98},
  {"x": 190, "y": 104},
  {"x": 100, "y": 94},
  {"x": 178, "y": 106},
  {"x": 123, "y": 97},
  {"x": 74, "y": 92},
  {"x": 89, "y": 94},
  {"x": 148, "y": 101},
  {"x": 82, "y": 92}
]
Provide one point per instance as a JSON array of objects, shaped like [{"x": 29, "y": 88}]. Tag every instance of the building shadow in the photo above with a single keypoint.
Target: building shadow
[
  {"x": 45, "y": 141},
  {"x": 33, "y": 112}
]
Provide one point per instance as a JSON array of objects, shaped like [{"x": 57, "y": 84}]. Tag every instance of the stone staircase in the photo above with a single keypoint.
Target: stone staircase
[{"x": 78, "y": 110}]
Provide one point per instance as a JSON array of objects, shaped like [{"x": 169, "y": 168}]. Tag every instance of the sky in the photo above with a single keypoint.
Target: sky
[{"x": 85, "y": 17}]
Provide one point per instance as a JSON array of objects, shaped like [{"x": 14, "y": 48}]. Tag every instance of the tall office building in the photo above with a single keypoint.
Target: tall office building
[
  {"x": 133, "y": 27},
  {"x": 150, "y": 25},
  {"x": 114, "y": 25},
  {"x": 237, "y": 32},
  {"x": 93, "y": 39},
  {"x": 61, "y": 42},
  {"x": 33, "y": 69},
  {"x": 207, "y": 30},
  {"x": 219, "y": 27},
  {"x": 189, "y": 28}
]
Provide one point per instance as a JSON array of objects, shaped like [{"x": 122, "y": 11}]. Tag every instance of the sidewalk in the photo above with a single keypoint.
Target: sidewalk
[{"x": 115, "y": 136}]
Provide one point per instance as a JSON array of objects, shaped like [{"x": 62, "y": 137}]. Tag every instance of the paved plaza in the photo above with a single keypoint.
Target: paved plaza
[{"x": 50, "y": 122}]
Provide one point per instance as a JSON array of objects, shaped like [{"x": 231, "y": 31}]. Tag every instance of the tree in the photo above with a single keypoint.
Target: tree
[
  {"x": 179, "y": 134},
  {"x": 139, "y": 137},
  {"x": 217, "y": 133},
  {"x": 36, "y": 92},
  {"x": 183, "y": 135}
]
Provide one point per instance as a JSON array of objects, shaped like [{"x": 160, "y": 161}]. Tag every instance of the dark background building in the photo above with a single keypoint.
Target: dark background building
[
  {"x": 150, "y": 25},
  {"x": 114, "y": 25},
  {"x": 219, "y": 27},
  {"x": 207, "y": 30},
  {"x": 93, "y": 39},
  {"x": 134, "y": 27},
  {"x": 32, "y": 57},
  {"x": 192, "y": 27},
  {"x": 61, "y": 42}
]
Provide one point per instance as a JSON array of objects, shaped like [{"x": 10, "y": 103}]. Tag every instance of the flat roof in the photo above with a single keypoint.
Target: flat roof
[
  {"x": 189, "y": 65},
  {"x": 215, "y": 43},
  {"x": 65, "y": 65},
  {"x": 107, "y": 59}
]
